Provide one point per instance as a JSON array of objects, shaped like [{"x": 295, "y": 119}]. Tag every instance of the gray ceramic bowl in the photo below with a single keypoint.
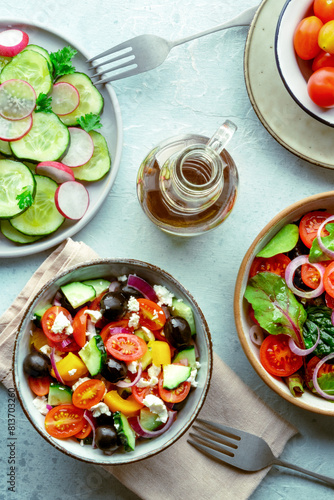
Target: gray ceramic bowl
[
  {"x": 114, "y": 268},
  {"x": 294, "y": 212}
]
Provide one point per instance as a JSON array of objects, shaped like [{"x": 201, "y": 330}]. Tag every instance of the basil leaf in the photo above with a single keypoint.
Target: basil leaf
[
  {"x": 316, "y": 254},
  {"x": 284, "y": 241},
  {"x": 275, "y": 306}
]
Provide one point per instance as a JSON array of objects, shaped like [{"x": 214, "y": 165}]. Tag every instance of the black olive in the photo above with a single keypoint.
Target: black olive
[
  {"x": 299, "y": 249},
  {"x": 113, "y": 305},
  {"x": 106, "y": 439},
  {"x": 114, "y": 370},
  {"x": 36, "y": 364},
  {"x": 128, "y": 292},
  {"x": 177, "y": 331}
]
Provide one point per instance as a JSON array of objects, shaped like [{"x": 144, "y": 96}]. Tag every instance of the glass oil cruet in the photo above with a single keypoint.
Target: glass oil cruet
[{"x": 187, "y": 185}]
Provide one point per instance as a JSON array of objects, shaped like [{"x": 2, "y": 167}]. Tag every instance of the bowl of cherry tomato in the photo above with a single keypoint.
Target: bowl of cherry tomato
[
  {"x": 112, "y": 361},
  {"x": 304, "y": 51},
  {"x": 284, "y": 304}
]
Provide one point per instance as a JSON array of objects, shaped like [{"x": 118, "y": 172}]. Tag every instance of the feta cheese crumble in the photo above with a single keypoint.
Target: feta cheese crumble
[
  {"x": 134, "y": 320},
  {"x": 192, "y": 378},
  {"x": 62, "y": 324},
  {"x": 133, "y": 304},
  {"x": 148, "y": 333},
  {"x": 164, "y": 295},
  {"x": 40, "y": 403},
  {"x": 72, "y": 372},
  {"x": 79, "y": 382},
  {"x": 153, "y": 373},
  {"x": 94, "y": 315},
  {"x": 133, "y": 366},
  {"x": 157, "y": 406},
  {"x": 122, "y": 278},
  {"x": 99, "y": 409},
  {"x": 46, "y": 349}
]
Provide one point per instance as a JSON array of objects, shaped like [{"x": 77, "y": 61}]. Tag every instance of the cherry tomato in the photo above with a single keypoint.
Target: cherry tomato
[
  {"x": 175, "y": 395},
  {"x": 329, "y": 301},
  {"x": 71, "y": 347},
  {"x": 86, "y": 430},
  {"x": 320, "y": 87},
  {"x": 305, "y": 39},
  {"x": 329, "y": 279},
  {"x": 140, "y": 393},
  {"x": 79, "y": 326},
  {"x": 326, "y": 37},
  {"x": 252, "y": 315},
  {"x": 88, "y": 393},
  {"x": 126, "y": 347},
  {"x": 122, "y": 323},
  {"x": 323, "y": 60},
  {"x": 323, "y": 370},
  {"x": 324, "y": 10},
  {"x": 276, "y": 265},
  {"x": 151, "y": 315},
  {"x": 309, "y": 225},
  {"x": 40, "y": 385},
  {"x": 310, "y": 276},
  {"x": 48, "y": 320},
  {"x": 64, "y": 421},
  {"x": 277, "y": 357}
]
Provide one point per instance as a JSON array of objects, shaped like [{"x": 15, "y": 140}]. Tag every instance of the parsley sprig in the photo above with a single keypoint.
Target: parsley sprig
[
  {"x": 25, "y": 199},
  {"x": 43, "y": 103},
  {"x": 61, "y": 61},
  {"x": 89, "y": 121}
]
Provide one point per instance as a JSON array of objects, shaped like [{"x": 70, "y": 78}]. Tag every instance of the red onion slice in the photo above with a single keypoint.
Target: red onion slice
[
  {"x": 54, "y": 366},
  {"x": 303, "y": 352},
  {"x": 90, "y": 419},
  {"x": 143, "y": 287},
  {"x": 122, "y": 383},
  {"x": 119, "y": 329},
  {"x": 290, "y": 271},
  {"x": 315, "y": 377},
  {"x": 49, "y": 407},
  {"x": 66, "y": 342},
  {"x": 256, "y": 335},
  {"x": 136, "y": 425},
  {"x": 326, "y": 250},
  {"x": 56, "y": 300}
]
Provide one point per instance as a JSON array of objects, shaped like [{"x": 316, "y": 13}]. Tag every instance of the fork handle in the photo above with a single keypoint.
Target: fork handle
[
  {"x": 243, "y": 19},
  {"x": 283, "y": 463}
]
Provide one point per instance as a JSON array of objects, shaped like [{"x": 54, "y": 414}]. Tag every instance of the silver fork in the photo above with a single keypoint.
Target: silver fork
[
  {"x": 145, "y": 52},
  {"x": 241, "y": 449}
]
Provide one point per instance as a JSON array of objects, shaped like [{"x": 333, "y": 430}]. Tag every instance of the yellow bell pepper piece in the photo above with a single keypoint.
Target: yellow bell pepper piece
[
  {"x": 38, "y": 339},
  {"x": 129, "y": 407},
  {"x": 71, "y": 362},
  {"x": 160, "y": 353}
]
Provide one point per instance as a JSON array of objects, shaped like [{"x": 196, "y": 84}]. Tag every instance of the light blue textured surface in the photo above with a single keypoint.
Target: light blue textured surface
[{"x": 198, "y": 87}]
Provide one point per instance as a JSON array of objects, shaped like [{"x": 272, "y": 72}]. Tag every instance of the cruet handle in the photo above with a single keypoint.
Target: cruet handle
[{"x": 222, "y": 136}]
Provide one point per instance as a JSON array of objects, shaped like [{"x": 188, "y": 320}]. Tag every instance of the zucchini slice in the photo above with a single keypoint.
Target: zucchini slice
[
  {"x": 47, "y": 140},
  {"x": 16, "y": 180},
  {"x": 100, "y": 162},
  {"x": 42, "y": 217}
]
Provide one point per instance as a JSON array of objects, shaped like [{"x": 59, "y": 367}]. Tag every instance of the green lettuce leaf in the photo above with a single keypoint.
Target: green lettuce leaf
[
  {"x": 284, "y": 241},
  {"x": 275, "y": 307},
  {"x": 316, "y": 254},
  {"x": 326, "y": 383}
]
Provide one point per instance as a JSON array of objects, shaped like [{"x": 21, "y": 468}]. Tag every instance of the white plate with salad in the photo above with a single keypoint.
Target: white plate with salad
[{"x": 55, "y": 169}]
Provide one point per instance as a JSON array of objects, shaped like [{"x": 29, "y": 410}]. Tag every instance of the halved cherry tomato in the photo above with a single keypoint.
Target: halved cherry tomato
[
  {"x": 175, "y": 395},
  {"x": 329, "y": 279},
  {"x": 48, "y": 320},
  {"x": 276, "y": 264},
  {"x": 310, "y": 276},
  {"x": 324, "y": 10},
  {"x": 309, "y": 225},
  {"x": 125, "y": 346},
  {"x": 305, "y": 39},
  {"x": 71, "y": 347},
  {"x": 79, "y": 326},
  {"x": 140, "y": 393},
  {"x": 86, "y": 430},
  {"x": 252, "y": 315},
  {"x": 40, "y": 385},
  {"x": 277, "y": 357},
  {"x": 64, "y": 421},
  {"x": 122, "y": 323},
  {"x": 320, "y": 87},
  {"x": 88, "y": 393},
  {"x": 323, "y": 60},
  {"x": 323, "y": 370},
  {"x": 151, "y": 315}
]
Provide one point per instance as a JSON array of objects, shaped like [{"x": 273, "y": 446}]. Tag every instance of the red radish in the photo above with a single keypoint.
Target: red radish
[
  {"x": 80, "y": 150},
  {"x": 55, "y": 170},
  {"x": 72, "y": 200},
  {"x": 65, "y": 98},
  {"x": 17, "y": 99},
  {"x": 12, "y": 42},
  {"x": 14, "y": 130}
]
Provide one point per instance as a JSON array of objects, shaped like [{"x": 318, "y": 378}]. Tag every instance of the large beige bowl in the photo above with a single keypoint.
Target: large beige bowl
[
  {"x": 308, "y": 401},
  {"x": 107, "y": 268}
]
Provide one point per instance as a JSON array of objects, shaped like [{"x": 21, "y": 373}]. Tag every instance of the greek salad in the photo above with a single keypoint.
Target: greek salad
[
  {"x": 49, "y": 144},
  {"x": 290, "y": 293},
  {"x": 112, "y": 361}
]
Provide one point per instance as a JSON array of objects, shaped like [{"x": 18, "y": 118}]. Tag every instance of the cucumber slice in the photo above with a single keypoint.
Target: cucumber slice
[
  {"x": 189, "y": 354},
  {"x": 125, "y": 433},
  {"x": 16, "y": 180},
  {"x": 4, "y": 61},
  {"x": 12, "y": 234},
  {"x": 41, "y": 51},
  {"x": 59, "y": 395},
  {"x": 179, "y": 308},
  {"x": 42, "y": 217},
  {"x": 31, "y": 67},
  {"x": 78, "y": 294},
  {"x": 46, "y": 141},
  {"x": 174, "y": 375},
  {"x": 99, "y": 285},
  {"x": 99, "y": 164},
  {"x": 91, "y": 101},
  {"x": 149, "y": 420},
  {"x": 94, "y": 355},
  {"x": 5, "y": 148},
  {"x": 38, "y": 314}
]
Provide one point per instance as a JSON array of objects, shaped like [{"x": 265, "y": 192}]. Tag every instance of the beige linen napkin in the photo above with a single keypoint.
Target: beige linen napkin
[{"x": 180, "y": 471}]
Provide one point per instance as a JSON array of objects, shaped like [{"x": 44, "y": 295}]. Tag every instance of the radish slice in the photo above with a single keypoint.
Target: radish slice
[
  {"x": 14, "y": 130},
  {"x": 12, "y": 42},
  {"x": 56, "y": 171},
  {"x": 72, "y": 200},
  {"x": 65, "y": 98},
  {"x": 17, "y": 99},
  {"x": 80, "y": 150}
]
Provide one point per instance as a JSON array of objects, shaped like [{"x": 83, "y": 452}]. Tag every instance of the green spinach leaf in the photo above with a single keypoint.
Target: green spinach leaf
[{"x": 319, "y": 316}]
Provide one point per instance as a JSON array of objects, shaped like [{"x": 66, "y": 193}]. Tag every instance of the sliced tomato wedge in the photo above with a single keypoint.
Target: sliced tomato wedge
[
  {"x": 175, "y": 395},
  {"x": 151, "y": 315},
  {"x": 310, "y": 276},
  {"x": 86, "y": 430},
  {"x": 329, "y": 279},
  {"x": 309, "y": 225},
  {"x": 140, "y": 393},
  {"x": 40, "y": 385},
  {"x": 48, "y": 320},
  {"x": 126, "y": 346},
  {"x": 64, "y": 421},
  {"x": 276, "y": 264},
  {"x": 277, "y": 357},
  {"x": 122, "y": 323},
  {"x": 79, "y": 326},
  {"x": 88, "y": 393}
]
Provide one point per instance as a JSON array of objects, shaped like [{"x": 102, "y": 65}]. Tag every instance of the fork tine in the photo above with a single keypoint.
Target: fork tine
[
  {"x": 214, "y": 453},
  {"x": 118, "y": 76},
  {"x": 224, "y": 429},
  {"x": 121, "y": 46},
  {"x": 114, "y": 68},
  {"x": 226, "y": 439},
  {"x": 222, "y": 447},
  {"x": 125, "y": 55}
]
